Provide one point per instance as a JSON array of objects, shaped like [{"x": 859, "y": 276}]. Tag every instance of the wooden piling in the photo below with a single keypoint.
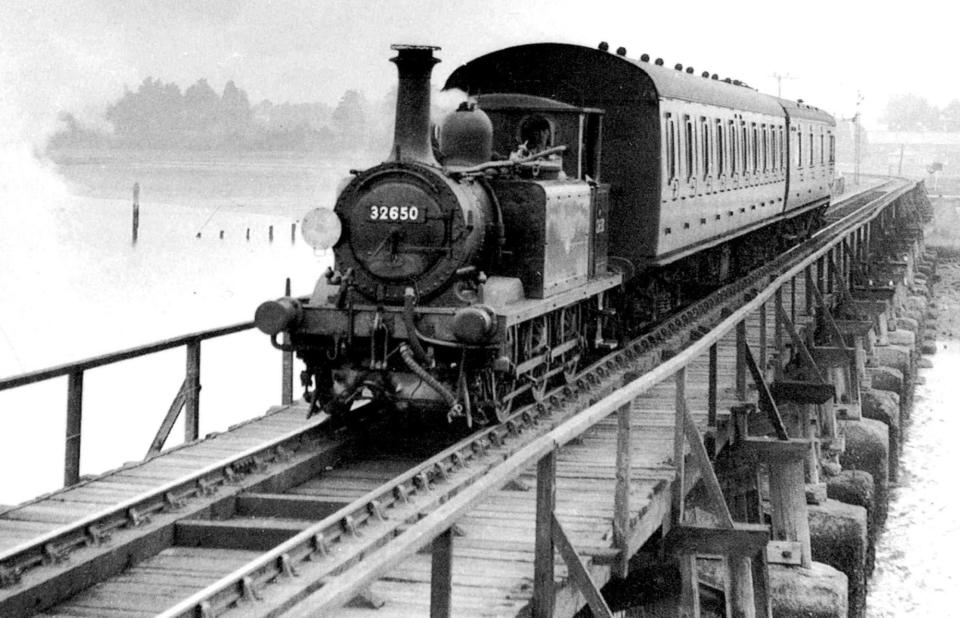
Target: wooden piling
[
  {"x": 270, "y": 233},
  {"x": 293, "y": 233},
  {"x": 136, "y": 212}
]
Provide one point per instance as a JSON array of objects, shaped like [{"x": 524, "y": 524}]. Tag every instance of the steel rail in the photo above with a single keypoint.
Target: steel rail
[
  {"x": 153, "y": 493},
  {"x": 419, "y": 534}
]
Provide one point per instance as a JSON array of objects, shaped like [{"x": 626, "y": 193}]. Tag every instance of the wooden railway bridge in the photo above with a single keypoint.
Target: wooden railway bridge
[{"x": 658, "y": 452}]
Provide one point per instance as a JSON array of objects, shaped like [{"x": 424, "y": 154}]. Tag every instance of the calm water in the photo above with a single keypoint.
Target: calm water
[
  {"x": 917, "y": 552},
  {"x": 72, "y": 286}
]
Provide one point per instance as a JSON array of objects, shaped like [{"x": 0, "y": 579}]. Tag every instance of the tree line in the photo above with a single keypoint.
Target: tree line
[
  {"x": 911, "y": 112},
  {"x": 160, "y": 115}
]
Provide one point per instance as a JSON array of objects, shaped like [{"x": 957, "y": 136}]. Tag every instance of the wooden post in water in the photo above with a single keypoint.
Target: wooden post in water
[
  {"x": 270, "y": 233},
  {"x": 293, "y": 233},
  {"x": 136, "y": 211}
]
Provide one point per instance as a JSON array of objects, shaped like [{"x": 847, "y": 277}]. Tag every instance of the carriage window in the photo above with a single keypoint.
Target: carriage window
[
  {"x": 744, "y": 146},
  {"x": 705, "y": 147},
  {"x": 721, "y": 145},
  {"x": 734, "y": 147},
  {"x": 671, "y": 148},
  {"x": 799, "y": 140},
  {"x": 755, "y": 148},
  {"x": 783, "y": 149},
  {"x": 810, "y": 145},
  {"x": 833, "y": 146},
  {"x": 822, "y": 158},
  {"x": 688, "y": 145}
]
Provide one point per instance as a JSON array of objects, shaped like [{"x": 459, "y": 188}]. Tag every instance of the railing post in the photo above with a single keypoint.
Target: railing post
[
  {"x": 621, "y": 497},
  {"x": 741, "y": 374},
  {"x": 71, "y": 460},
  {"x": 286, "y": 388},
  {"x": 679, "y": 420},
  {"x": 763, "y": 338},
  {"x": 778, "y": 332},
  {"x": 441, "y": 575},
  {"x": 191, "y": 421},
  {"x": 712, "y": 388},
  {"x": 543, "y": 593}
]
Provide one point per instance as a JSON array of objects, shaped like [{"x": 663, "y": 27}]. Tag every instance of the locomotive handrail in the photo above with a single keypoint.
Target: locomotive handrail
[{"x": 188, "y": 395}]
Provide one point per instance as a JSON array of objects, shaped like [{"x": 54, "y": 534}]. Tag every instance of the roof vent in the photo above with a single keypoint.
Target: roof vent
[
  {"x": 690, "y": 70},
  {"x": 705, "y": 74},
  {"x": 604, "y": 46},
  {"x": 621, "y": 51},
  {"x": 714, "y": 76},
  {"x": 644, "y": 57},
  {"x": 658, "y": 62},
  {"x": 678, "y": 66}
]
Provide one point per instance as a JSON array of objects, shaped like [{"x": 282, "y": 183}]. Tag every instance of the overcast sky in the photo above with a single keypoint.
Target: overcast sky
[{"x": 79, "y": 54}]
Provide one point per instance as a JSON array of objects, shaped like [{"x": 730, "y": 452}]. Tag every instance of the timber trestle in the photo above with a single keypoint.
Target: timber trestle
[{"x": 699, "y": 450}]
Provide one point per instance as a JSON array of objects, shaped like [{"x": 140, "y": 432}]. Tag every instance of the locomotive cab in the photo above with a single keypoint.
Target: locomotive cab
[{"x": 533, "y": 124}]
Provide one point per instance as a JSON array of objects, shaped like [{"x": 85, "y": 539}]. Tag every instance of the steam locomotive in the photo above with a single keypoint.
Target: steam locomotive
[{"x": 574, "y": 197}]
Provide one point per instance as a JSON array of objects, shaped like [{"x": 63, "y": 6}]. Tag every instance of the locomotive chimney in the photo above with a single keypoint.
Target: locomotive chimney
[{"x": 411, "y": 135}]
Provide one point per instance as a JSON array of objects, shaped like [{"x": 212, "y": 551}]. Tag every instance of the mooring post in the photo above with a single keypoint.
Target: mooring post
[
  {"x": 191, "y": 421},
  {"x": 441, "y": 575},
  {"x": 270, "y": 233},
  {"x": 136, "y": 211},
  {"x": 543, "y": 592},
  {"x": 286, "y": 380},
  {"x": 71, "y": 461},
  {"x": 293, "y": 233}
]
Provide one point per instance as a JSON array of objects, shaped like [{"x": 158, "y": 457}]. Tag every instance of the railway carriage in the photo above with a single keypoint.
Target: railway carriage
[
  {"x": 703, "y": 171},
  {"x": 577, "y": 196}
]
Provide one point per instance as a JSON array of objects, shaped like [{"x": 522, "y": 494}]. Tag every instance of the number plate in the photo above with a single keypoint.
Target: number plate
[{"x": 397, "y": 214}]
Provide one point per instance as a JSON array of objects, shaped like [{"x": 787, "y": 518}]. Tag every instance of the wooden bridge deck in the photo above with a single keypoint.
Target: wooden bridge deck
[{"x": 493, "y": 545}]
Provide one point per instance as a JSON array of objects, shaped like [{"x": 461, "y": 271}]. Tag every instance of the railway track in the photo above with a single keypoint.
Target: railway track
[{"x": 255, "y": 531}]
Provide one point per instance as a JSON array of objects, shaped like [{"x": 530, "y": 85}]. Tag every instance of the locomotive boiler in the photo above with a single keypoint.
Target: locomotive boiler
[{"x": 575, "y": 197}]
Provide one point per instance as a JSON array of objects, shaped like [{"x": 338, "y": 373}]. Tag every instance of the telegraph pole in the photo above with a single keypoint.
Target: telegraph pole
[{"x": 780, "y": 77}]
